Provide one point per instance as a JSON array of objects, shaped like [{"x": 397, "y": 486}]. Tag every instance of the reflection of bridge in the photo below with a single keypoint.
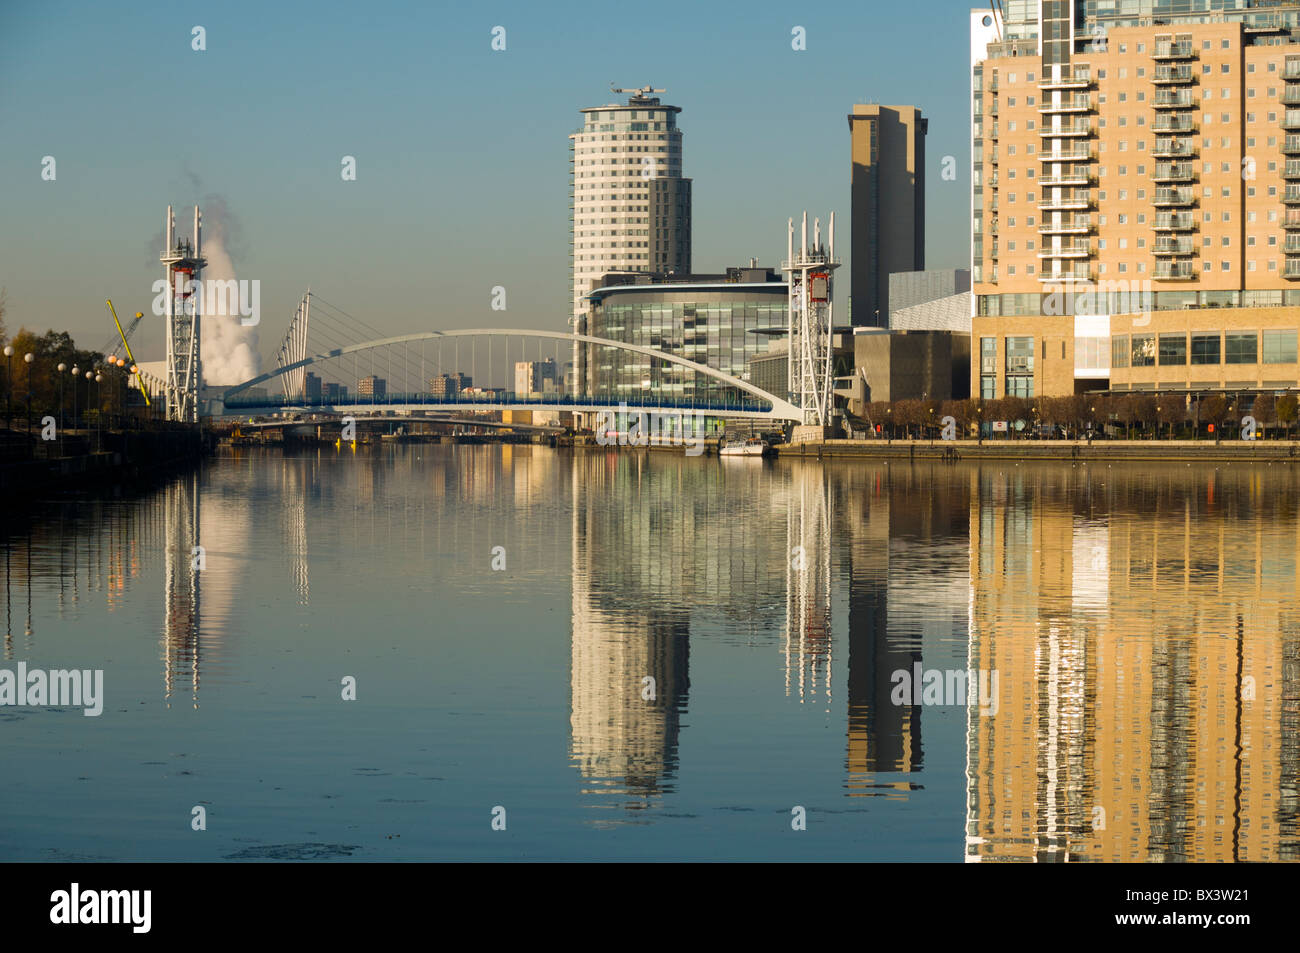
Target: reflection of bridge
[{"x": 685, "y": 387}]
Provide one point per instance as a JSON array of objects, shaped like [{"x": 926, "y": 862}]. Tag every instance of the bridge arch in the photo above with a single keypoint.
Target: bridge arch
[{"x": 781, "y": 409}]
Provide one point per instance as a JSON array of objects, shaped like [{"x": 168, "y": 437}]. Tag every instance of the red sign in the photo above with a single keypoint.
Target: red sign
[{"x": 1211, "y": 428}]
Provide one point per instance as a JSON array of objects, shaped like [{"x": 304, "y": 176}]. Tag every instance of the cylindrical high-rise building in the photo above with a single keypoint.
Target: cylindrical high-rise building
[{"x": 631, "y": 208}]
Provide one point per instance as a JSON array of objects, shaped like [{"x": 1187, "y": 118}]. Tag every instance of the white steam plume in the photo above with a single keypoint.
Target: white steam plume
[{"x": 229, "y": 349}]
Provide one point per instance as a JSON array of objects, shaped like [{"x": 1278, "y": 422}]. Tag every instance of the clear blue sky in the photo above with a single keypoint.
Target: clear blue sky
[{"x": 462, "y": 153}]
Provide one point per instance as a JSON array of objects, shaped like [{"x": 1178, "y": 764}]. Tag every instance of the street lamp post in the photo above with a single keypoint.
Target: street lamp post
[
  {"x": 90, "y": 376},
  {"x": 99, "y": 413},
  {"x": 62, "y": 367},
  {"x": 76, "y": 372},
  {"x": 9, "y": 388},
  {"x": 28, "y": 358}
]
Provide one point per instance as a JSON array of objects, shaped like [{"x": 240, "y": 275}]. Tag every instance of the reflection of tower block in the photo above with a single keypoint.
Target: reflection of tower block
[
  {"x": 183, "y": 265},
  {"x": 810, "y": 321}
]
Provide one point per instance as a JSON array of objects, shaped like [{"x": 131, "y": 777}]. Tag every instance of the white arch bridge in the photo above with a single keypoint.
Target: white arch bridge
[{"x": 669, "y": 385}]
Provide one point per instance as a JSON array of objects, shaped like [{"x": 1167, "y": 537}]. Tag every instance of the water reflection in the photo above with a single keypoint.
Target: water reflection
[
  {"x": 1143, "y": 622},
  {"x": 1146, "y": 631}
]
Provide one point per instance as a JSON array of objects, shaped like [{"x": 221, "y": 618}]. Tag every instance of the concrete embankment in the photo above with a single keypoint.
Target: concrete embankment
[
  {"x": 1063, "y": 450},
  {"x": 115, "y": 458}
]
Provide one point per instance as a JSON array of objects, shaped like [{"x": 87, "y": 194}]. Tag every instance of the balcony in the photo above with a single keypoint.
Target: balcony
[
  {"x": 993, "y": 180},
  {"x": 1291, "y": 70},
  {"x": 1292, "y": 245},
  {"x": 1068, "y": 250},
  {"x": 1175, "y": 222},
  {"x": 1067, "y": 179},
  {"x": 1291, "y": 119},
  {"x": 1074, "y": 155},
  {"x": 1173, "y": 197},
  {"x": 1291, "y": 220},
  {"x": 1174, "y": 271},
  {"x": 1173, "y": 75},
  {"x": 993, "y": 251},
  {"x": 1070, "y": 104},
  {"x": 1182, "y": 50},
  {"x": 1174, "y": 99},
  {"x": 1080, "y": 225},
  {"x": 1292, "y": 195},
  {"x": 1077, "y": 202},
  {"x": 1180, "y": 246},
  {"x": 1291, "y": 269},
  {"x": 1291, "y": 146},
  {"x": 1173, "y": 172},
  {"x": 1068, "y": 130},
  {"x": 1291, "y": 95},
  {"x": 1080, "y": 79},
  {"x": 1173, "y": 149},
  {"x": 1292, "y": 169},
  {"x": 1173, "y": 124},
  {"x": 1065, "y": 277}
]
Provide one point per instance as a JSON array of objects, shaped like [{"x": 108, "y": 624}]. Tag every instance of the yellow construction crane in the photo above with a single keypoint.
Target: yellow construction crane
[{"x": 135, "y": 368}]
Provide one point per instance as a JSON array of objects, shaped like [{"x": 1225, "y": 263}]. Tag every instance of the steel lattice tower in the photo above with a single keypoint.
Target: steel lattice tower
[
  {"x": 810, "y": 321},
  {"x": 183, "y": 265}
]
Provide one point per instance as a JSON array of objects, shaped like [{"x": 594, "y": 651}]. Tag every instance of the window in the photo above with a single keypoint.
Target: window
[
  {"x": 1173, "y": 349},
  {"x": 1019, "y": 367},
  {"x": 988, "y": 355},
  {"x": 1144, "y": 350},
  {"x": 1205, "y": 349},
  {"x": 1241, "y": 347},
  {"x": 1280, "y": 347},
  {"x": 1119, "y": 350},
  {"x": 1089, "y": 353}
]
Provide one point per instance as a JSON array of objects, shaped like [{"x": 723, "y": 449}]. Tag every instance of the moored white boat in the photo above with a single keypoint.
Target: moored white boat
[{"x": 753, "y": 447}]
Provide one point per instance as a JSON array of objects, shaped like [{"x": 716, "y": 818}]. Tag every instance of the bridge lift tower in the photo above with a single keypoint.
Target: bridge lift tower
[
  {"x": 810, "y": 321},
  {"x": 183, "y": 265}
]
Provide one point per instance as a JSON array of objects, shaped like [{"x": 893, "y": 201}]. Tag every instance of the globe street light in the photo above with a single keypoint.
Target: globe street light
[
  {"x": 62, "y": 367},
  {"x": 99, "y": 413},
  {"x": 28, "y": 358},
  {"x": 9, "y": 380}
]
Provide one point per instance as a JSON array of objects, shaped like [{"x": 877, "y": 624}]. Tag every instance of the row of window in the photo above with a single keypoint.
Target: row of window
[
  {"x": 1140, "y": 145},
  {"x": 1141, "y": 48},
  {"x": 1232, "y": 347}
]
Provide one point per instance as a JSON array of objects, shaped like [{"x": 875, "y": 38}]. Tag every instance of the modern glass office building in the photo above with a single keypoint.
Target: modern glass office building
[{"x": 722, "y": 321}]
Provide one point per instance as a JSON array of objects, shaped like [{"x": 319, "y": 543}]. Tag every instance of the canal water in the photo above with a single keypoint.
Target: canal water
[{"x": 503, "y": 652}]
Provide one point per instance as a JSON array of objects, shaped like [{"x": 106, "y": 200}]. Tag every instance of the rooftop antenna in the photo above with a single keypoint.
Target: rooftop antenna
[{"x": 643, "y": 91}]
